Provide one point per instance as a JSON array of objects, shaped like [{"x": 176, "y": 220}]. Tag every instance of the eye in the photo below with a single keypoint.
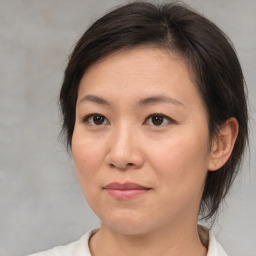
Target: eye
[
  {"x": 95, "y": 119},
  {"x": 158, "y": 120}
]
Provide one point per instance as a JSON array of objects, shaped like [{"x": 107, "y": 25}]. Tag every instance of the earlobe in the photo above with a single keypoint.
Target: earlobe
[{"x": 223, "y": 144}]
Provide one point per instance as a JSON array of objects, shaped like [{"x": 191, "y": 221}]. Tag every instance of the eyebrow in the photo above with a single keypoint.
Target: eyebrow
[
  {"x": 159, "y": 99},
  {"x": 95, "y": 99},
  {"x": 142, "y": 102}
]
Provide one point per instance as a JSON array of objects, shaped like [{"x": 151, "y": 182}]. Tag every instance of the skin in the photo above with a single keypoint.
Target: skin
[{"x": 171, "y": 159}]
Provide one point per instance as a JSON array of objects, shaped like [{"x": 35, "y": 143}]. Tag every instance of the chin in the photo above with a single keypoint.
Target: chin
[{"x": 128, "y": 224}]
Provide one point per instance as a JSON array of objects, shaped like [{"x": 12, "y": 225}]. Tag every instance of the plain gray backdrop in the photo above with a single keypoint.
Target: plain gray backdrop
[{"x": 41, "y": 204}]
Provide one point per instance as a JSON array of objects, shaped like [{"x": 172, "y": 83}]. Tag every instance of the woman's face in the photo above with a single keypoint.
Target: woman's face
[{"x": 141, "y": 144}]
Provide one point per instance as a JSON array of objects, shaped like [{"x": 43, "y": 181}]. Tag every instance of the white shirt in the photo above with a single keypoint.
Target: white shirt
[{"x": 81, "y": 247}]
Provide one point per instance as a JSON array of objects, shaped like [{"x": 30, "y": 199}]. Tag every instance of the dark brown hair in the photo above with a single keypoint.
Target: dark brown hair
[{"x": 208, "y": 52}]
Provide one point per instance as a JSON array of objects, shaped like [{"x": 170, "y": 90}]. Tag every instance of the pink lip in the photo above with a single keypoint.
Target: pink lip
[{"x": 125, "y": 190}]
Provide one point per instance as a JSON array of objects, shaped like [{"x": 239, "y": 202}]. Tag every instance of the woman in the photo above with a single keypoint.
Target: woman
[{"x": 155, "y": 114}]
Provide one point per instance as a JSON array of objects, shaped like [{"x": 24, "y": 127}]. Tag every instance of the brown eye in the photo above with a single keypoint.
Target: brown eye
[
  {"x": 98, "y": 120},
  {"x": 157, "y": 120},
  {"x": 95, "y": 119}
]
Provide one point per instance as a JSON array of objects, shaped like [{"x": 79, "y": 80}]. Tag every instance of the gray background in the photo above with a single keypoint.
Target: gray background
[{"x": 41, "y": 204}]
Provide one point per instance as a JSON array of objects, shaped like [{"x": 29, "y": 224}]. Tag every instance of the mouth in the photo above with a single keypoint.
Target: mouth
[{"x": 124, "y": 191}]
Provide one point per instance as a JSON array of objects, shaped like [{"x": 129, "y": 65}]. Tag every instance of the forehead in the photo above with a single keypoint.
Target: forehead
[
  {"x": 144, "y": 58},
  {"x": 141, "y": 71}
]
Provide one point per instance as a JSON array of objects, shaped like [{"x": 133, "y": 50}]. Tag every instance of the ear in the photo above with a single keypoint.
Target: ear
[{"x": 223, "y": 144}]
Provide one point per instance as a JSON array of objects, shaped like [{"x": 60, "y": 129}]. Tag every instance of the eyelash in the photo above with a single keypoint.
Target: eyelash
[
  {"x": 169, "y": 120},
  {"x": 86, "y": 119}
]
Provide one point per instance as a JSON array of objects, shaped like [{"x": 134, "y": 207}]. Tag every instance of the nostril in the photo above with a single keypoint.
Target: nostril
[{"x": 120, "y": 166}]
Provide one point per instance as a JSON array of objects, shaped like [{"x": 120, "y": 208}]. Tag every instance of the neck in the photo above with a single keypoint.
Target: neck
[{"x": 164, "y": 242}]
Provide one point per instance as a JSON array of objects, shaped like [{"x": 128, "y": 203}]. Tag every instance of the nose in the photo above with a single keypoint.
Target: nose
[{"x": 124, "y": 149}]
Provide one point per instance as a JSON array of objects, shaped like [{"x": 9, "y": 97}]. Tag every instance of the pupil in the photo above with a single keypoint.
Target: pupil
[
  {"x": 98, "y": 119},
  {"x": 157, "y": 120}
]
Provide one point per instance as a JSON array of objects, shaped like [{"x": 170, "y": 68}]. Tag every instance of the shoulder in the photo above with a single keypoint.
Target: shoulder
[
  {"x": 214, "y": 248},
  {"x": 78, "y": 248}
]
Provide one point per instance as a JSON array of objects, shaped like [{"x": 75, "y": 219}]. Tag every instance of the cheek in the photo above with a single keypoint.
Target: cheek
[
  {"x": 87, "y": 161},
  {"x": 88, "y": 157},
  {"x": 181, "y": 162}
]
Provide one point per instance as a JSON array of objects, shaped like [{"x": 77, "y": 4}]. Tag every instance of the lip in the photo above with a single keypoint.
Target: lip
[{"x": 125, "y": 191}]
